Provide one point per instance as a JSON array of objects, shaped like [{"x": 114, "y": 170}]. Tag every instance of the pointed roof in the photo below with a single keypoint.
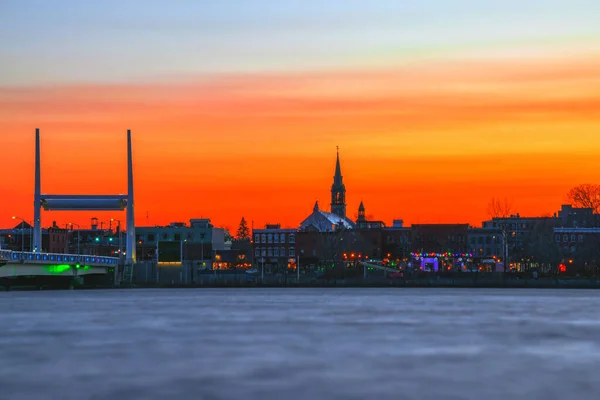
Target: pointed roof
[
  {"x": 316, "y": 207},
  {"x": 324, "y": 221},
  {"x": 337, "y": 179},
  {"x": 23, "y": 225},
  {"x": 361, "y": 207}
]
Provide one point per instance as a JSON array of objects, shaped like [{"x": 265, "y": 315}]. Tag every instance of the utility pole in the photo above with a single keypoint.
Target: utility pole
[
  {"x": 78, "y": 236},
  {"x": 202, "y": 249},
  {"x": 505, "y": 249}
]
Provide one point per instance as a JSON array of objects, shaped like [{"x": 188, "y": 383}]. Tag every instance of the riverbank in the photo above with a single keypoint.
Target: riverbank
[
  {"x": 509, "y": 283},
  {"x": 430, "y": 283}
]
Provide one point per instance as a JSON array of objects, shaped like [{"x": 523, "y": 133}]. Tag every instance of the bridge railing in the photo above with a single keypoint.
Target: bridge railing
[
  {"x": 26, "y": 257},
  {"x": 379, "y": 267}
]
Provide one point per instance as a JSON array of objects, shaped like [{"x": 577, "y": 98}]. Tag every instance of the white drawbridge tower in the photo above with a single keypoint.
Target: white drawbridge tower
[{"x": 69, "y": 202}]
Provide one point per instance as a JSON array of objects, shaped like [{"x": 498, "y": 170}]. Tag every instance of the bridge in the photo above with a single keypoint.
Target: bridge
[
  {"x": 378, "y": 267},
  {"x": 20, "y": 264},
  {"x": 39, "y": 263}
]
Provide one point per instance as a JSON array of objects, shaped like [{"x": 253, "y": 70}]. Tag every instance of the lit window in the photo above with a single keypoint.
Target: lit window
[
  {"x": 292, "y": 238},
  {"x": 292, "y": 252}
]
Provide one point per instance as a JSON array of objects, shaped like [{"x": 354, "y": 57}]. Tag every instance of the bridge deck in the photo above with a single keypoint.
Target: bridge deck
[{"x": 57, "y": 258}]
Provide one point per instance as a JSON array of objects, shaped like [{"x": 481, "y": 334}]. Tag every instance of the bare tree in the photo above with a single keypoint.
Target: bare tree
[
  {"x": 586, "y": 195},
  {"x": 330, "y": 246},
  {"x": 499, "y": 209},
  {"x": 539, "y": 246}
]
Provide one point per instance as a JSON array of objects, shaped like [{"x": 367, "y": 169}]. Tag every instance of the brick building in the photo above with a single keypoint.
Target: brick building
[
  {"x": 396, "y": 241},
  {"x": 274, "y": 247},
  {"x": 439, "y": 238}
]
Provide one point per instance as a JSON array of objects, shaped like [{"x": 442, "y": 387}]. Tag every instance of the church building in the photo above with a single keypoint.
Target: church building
[{"x": 323, "y": 221}]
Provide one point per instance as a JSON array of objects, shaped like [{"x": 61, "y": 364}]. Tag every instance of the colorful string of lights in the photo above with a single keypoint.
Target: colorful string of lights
[{"x": 442, "y": 255}]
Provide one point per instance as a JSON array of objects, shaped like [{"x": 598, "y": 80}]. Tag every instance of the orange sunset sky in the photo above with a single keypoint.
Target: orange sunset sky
[{"x": 241, "y": 117}]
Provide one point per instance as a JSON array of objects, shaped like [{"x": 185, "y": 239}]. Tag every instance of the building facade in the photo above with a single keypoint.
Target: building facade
[
  {"x": 397, "y": 241},
  {"x": 199, "y": 240},
  {"x": 439, "y": 238},
  {"x": 274, "y": 247},
  {"x": 486, "y": 242}
]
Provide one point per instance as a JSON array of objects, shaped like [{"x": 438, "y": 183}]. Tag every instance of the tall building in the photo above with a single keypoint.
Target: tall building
[
  {"x": 338, "y": 191},
  {"x": 324, "y": 221}
]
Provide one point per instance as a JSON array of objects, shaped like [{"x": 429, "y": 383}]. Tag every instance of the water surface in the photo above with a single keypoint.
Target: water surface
[{"x": 300, "y": 344}]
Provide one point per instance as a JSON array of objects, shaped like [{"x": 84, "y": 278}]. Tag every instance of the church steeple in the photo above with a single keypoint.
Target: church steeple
[
  {"x": 361, "y": 212},
  {"x": 337, "y": 178},
  {"x": 338, "y": 190}
]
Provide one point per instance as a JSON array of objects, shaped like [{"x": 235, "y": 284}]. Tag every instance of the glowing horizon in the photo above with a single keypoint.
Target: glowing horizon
[{"x": 427, "y": 133}]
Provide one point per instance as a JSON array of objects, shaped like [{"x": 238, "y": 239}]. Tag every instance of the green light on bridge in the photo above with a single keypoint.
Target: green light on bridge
[
  {"x": 60, "y": 268},
  {"x": 57, "y": 269}
]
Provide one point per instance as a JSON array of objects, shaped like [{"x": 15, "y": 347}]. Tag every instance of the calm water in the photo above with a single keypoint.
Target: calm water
[{"x": 300, "y": 344}]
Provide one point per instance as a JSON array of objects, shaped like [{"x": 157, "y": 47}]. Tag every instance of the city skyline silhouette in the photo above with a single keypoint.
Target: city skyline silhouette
[{"x": 238, "y": 113}]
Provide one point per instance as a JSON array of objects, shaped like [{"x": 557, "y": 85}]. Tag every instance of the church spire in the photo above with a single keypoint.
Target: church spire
[
  {"x": 338, "y": 190},
  {"x": 337, "y": 179}
]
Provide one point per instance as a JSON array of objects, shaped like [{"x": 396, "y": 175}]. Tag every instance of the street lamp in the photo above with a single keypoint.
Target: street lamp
[
  {"x": 78, "y": 237},
  {"x": 22, "y": 232},
  {"x": 119, "y": 228},
  {"x": 505, "y": 249}
]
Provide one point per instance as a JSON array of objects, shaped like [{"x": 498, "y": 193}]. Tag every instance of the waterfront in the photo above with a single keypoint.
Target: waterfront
[{"x": 300, "y": 344}]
